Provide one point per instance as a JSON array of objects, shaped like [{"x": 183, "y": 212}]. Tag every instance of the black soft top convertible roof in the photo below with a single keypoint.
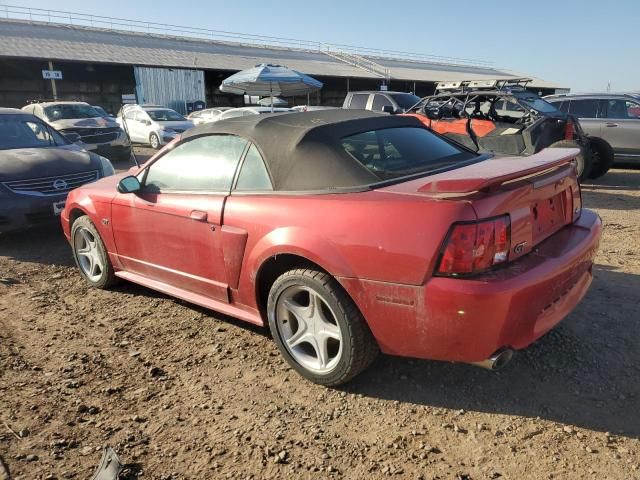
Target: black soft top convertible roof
[{"x": 303, "y": 151}]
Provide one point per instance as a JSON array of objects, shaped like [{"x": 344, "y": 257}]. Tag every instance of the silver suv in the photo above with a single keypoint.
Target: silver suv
[{"x": 612, "y": 121}]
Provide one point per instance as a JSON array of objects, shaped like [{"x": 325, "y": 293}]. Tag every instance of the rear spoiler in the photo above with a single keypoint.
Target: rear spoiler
[{"x": 492, "y": 173}]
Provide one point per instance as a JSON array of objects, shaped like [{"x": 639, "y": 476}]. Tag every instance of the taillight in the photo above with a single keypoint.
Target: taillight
[
  {"x": 472, "y": 248},
  {"x": 569, "y": 130}
]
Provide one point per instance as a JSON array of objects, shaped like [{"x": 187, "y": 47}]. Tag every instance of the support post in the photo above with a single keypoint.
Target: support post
[{"x": 53, "y": 83}]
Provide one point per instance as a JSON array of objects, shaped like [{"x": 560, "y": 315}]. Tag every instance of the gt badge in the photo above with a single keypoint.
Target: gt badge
[{"x": 519, "y": 248}]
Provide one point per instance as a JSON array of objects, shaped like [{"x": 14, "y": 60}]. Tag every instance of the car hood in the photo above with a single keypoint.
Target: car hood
[
  {"x": 26, "y": 163},
  {"x": 182, "y": 125},
  {"x": 97, "y": 122}
]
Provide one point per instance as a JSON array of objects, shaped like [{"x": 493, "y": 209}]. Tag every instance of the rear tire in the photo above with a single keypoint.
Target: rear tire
[
  {"x": 154, "y": 141},
  {"x": 602, "y": 157},
  {"x": 318, "y": 328},
  {"x": 91, "y": 255},
  {"x": 583, "y": 159}
]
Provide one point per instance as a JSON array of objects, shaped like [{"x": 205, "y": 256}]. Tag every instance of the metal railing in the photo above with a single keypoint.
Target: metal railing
[
  {"x": 15, "y": 12},
  {"x": 358, "y": 61}
]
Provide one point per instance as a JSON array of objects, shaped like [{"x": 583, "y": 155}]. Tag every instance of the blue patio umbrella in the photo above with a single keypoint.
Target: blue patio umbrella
[{"x": 270, "y": 80}]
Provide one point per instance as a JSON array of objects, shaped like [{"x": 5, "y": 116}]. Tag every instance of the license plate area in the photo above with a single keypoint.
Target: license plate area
[
  {"x": 58, "y": 207},
  {"x": 549, "y": 215}
]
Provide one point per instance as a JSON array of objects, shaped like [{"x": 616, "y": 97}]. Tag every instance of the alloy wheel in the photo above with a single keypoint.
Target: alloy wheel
[
  {"x": 309, "y": 329},
  {"x": 88, "y": 254}
]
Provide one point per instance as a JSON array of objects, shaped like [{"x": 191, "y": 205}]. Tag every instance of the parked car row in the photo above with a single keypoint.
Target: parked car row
[
  {"x": 69, "y": 139},
  {"x": 503, "y": 117}
]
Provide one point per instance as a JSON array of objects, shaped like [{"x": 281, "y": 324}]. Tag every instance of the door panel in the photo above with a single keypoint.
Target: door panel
[
  {"x": 173, "y": 238},
  {"x": 621, "y": 127}
]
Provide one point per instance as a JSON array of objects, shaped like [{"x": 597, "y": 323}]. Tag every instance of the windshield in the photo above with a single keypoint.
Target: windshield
[
  {"x": 69, "y": 111},
  {"x": 405, "y": 100},
  {"x": 101, "y": 111},
  {"x": 397, "y": 152},
  {"x": 26, "y": 132},
  {"x": 165, "y": 115},
  {"x": 535, "y": 102}
]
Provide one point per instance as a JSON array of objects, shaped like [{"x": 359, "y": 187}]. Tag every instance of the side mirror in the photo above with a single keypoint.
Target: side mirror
[
  {"x": 388, "y": 109},
  {"x": 129, "y": 184},
  {"x": 73, "y": 137},
  {"x": 146, "y": 122}
]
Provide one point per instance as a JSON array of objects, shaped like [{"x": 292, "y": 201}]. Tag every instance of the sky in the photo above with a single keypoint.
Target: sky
[{"x": 584, "y": 45}]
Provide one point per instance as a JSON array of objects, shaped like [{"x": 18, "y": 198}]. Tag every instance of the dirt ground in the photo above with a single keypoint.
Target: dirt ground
[{"x": 180, "y": 392}]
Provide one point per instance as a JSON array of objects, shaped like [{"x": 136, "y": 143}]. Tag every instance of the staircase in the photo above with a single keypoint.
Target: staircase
[{"x": 357, "y": 61}]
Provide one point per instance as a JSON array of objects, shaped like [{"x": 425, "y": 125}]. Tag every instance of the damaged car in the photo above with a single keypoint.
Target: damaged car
[
  {"x": 503, "y": 117},
  {"x": 347, "y": 233}
]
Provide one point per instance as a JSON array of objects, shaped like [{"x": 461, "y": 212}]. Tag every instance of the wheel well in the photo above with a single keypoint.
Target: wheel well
[
  {"x": 272, "y": 268},
  {"x": 74, "y": 215}
]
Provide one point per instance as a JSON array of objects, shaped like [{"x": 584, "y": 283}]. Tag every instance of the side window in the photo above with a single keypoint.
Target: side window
[
  {"x": 563, "y": 106},
  {"x": 633, "y": 109},
  {"x": 202, "y": 164},
  {"x": 253, "y": 174},
  {"x": 379, "y": 101},
  {"x": 584, "y": 108},
  {"x": 359, "y": 101},
  {"x": 622, "y": 109},
  {"x": 130, "y": 115}
]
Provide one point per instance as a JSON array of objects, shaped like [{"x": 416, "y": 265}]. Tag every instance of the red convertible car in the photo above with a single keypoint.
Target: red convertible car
[{"x": 347, "y": 232}]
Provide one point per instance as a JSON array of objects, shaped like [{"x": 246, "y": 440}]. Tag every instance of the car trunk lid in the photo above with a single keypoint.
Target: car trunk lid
[{"x": 540, "y": 193}]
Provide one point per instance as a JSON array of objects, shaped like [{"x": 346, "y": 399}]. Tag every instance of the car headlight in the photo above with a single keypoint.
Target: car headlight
[{"x": 107, "y": 167}]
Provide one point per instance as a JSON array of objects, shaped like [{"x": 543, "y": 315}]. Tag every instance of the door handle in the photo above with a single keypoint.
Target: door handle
[
  {"x": 198, "y": 215},
  {"x": 609, "y": 124}
]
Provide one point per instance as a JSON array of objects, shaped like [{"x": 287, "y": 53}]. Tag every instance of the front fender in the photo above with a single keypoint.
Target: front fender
[{"x": 98, "y": 211}]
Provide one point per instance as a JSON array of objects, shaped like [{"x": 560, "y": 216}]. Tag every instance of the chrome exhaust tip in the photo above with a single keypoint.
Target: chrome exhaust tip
[{"x": 497, "y": 360}]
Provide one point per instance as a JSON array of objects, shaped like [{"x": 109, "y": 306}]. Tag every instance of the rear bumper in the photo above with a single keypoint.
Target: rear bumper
[{"x": 469, "y": 319}]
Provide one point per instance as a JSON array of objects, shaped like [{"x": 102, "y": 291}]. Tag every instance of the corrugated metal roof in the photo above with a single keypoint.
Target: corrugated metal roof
[{"x": 78, "y": 43}]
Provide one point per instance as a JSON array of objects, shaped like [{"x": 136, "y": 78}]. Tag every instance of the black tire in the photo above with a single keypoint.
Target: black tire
[
  {"x": 358, "y": 347},
  {"x": 154, "y": 141},
  {"x": 583, "y": 159},
  {"x": 602, "y": 157},
  {"x": 81, "y": 228}
]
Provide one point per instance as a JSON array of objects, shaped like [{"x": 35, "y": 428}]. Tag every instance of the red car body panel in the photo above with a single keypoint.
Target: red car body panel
[{"x": 382, "y": 245}]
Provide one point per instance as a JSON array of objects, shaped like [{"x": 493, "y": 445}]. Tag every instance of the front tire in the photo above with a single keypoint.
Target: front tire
[
  {"x": 154, "y": 141},
  {"x": 318, "y": 328},
  {"x": 91, "y": 255}
]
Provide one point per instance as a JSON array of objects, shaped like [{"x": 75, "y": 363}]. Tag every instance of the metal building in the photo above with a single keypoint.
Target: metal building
[{"x": 102, "y": 59}]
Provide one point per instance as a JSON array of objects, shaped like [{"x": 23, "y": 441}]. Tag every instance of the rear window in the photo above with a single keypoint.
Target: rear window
[
  {"x": 405, "y": 100},
  {"x": 397, "y": 152}
]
